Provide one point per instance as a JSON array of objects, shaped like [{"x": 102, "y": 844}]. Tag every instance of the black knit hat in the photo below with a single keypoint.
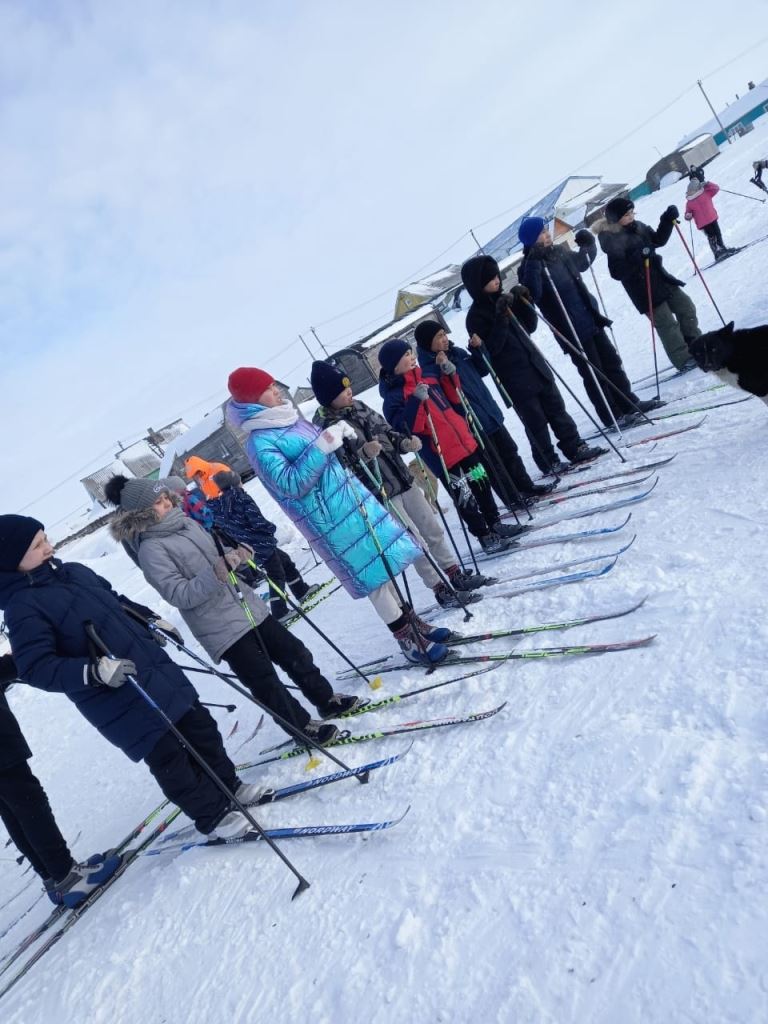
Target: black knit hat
[
  {"x": 616, "y": 209},
  {"x": 425, "y": 334},
  {"x": 327, "y": 382},
  {"x": 16, "y": 534}
]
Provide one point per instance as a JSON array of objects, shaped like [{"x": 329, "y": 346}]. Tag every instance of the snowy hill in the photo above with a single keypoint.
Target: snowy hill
[{"x": 594, "y": 853}]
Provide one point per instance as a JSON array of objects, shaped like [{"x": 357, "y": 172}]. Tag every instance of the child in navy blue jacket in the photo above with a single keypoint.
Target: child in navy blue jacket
[
  {"x": 47, "y": 605},
  {"x": 237, "y": 514}
]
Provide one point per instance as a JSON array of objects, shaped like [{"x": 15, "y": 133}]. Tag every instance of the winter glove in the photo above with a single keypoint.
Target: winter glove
[
  {"x": 689, "y": 215},
  {"x": 8, "y": 671},
  {"x": 521, "y": 292},
  {"x": 671, "y": 213},
  {"x": 227, "y": 562},
  {"x": 447, "y": 367},
  {"x": 421, "y": 391},
  {"x": 333, "y": 437},
  {"x": 503, "y": 304},
  {"x": 475, "y": 341},
  {"x": 168, "y": 628},
  {"x": 584, "y": 237},
  {"x": 371, "y": 449},
  {"x": 113, "y": 672},
  {"x": 410, "y": 444}
]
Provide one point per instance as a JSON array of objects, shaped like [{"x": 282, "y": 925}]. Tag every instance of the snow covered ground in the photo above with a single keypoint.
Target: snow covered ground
[{"x": 594, "y": 853}]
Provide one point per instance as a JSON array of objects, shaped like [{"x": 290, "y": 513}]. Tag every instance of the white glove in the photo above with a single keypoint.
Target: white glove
[
  {"x": 113, "y": 672},
  {"x": 421, "y": 391},
  {"x": 333, "y": 437}
]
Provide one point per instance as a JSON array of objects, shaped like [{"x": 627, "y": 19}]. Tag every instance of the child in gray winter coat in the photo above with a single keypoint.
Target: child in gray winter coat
[{"x": 182, "y": 562}]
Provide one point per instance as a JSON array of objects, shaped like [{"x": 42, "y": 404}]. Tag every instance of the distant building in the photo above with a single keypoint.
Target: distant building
[
  {"x": 698, "y": 150},
  {"x": 737, "y": 118},
  {"x": 141, "y": 459}
]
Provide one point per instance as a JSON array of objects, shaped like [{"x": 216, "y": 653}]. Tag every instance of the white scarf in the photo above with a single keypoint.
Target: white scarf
[{"x": 284, "y": 415}]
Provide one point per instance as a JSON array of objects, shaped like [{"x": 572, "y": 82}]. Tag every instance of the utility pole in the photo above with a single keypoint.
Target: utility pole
[
  {"x": 322, "y": 346},
  {"x": 714, "y": 112},
  {"x": 306, "y": 346},
  {"x": 476, "y": 241}
]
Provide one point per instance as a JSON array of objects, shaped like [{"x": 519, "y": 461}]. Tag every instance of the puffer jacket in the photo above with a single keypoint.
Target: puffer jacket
[
  {"x": 13, "y": 746},
  {"x": 520, "y": 366},
  {"x": 177, "y": 557},
  {"x": 323, "y": 500},
  {"x": 471, "y": 370},
  {"x": 407, "y": 414},
  {"x": 565, "y": 269},
  {"x": 624, "y": 248},
  {"x": 46, "y": 611},
  {"x": 701, "y": 208},
  {"x": 237, "y": 514},
  {"x": 368, "y": 424}
]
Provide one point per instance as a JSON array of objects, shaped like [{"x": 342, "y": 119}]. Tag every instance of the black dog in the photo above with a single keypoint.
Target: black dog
[{"x": 738, "y": 357}]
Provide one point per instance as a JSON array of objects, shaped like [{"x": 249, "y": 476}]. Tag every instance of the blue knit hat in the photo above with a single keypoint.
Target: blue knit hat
[
  {"x": 391, "y": 352},
  {"x": 16, "y": 534},
  {"x": 530, "y": 229},
  {"x": 327, "y": 382}
]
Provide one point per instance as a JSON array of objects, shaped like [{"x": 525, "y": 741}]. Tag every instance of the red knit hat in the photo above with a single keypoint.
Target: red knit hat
[{"x": 247, "y": 384}]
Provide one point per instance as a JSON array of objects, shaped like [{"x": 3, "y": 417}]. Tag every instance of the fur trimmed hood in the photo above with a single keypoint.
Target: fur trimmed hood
[
  {"x": 126, "y": 526},
  {"x": 601, "y": 224}
]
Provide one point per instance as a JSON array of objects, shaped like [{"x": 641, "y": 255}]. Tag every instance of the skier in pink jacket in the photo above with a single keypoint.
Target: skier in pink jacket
[{"x": 701, "y": 210}]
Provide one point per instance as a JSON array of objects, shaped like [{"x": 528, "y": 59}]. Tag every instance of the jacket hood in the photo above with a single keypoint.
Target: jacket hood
[
  {"x": 601, "y": 224},
  {"x": 126, "y": 526},
  {"x": 477, "y": 272},
  {"x": 194, "y": 464}
]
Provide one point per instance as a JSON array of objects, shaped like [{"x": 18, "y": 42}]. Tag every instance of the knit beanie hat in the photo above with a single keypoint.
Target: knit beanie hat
[
  {"x": 327, "y": 382},
  {"x": 695, "y": 188},
  {"x": 391, "y": 352},
  {"x": 247, "y": 384},
  {"x": 137, "y": 495},
  {"x": 616, "y": 209},
  {"x": 530, "y": 229},
  {"x": 425, "y": 334},
  {"x": 16, "y": 534},
  {"x": 226, "y": 478}
]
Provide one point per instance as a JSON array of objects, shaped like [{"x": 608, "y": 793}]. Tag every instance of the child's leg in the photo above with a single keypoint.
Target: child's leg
[
  {"x": 562, "y": 424},
  {"x": 712, "y": 232},
  {"x": 182, "y": 779},
  {"x": 292, "y": 575},
  {"x": 685, "y": 311},
  {"x": 428, "y": 528},
  {"x": 670, "y": 334},
  {"x": 481, "y": 491},
  {"x": 509, "y": 457},
  {"x": 28, "y": 817},
  {"x": 287, "y": 651},
  {"x": 252, "y": 666},
  {"x": 535, "y": 422},
  {"x": 273, "y": 566},
  {"x": 386, "y": 604}
]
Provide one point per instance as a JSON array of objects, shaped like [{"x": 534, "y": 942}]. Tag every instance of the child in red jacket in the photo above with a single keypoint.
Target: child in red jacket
[
  {"x": 417, "y": 405},
  {"x": 701, "y": 210}
]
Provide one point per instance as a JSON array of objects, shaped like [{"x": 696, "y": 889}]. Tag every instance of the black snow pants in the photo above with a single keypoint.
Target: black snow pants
[
  {"x": 30, "y": 823},
  {"x": 539, "y": 410},
  {"x": 599, "y": 351}
]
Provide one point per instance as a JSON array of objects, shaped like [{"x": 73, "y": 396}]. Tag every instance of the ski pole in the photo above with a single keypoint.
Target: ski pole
[
  {"x": 434, "y": 497},
  {"x": 93, "y": 636},
  {"x": 447, "y": 477},
  {"x": 600, "y": 429},
  {"x": 597, "y": 369},
  {"x": 696, "y": 268},
  {"x": 647, "y": 266},
  {"x": 505, "y": 395},
  {"x": 580, "y": 349},
  {"x": 294, "y": 731},
  {"x": 227, "y": 707},
  {"x": 602, "y": 305},
  {"x": 491, "y": 452},
  {"x": 296, "y": 607},
  {"x": 376, "y": 479},
  {"x": 741, "y": 194}
]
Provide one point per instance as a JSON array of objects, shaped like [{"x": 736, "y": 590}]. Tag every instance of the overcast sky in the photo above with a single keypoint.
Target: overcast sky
[{"x": 187, "y": 185}]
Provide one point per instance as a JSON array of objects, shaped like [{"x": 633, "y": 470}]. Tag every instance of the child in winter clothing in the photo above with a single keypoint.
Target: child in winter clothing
[
  {"x": 181, "y": 561},
  {"x": 357, "y": 538},
  {"x": 28, "y": 818},
  {"x": 441, "y": 360},
  {"x": 47, "y": 606},
  {"x": 552, "y": 274},
  {"x": 237, "y": 514},
  {"x": 373, "y": 455},
  {"x": 628, "y": 243},
  {"x": 501, "y": 324},
  {"x": 415, "y": 404},
  {"x": 701, "y": 210},
  {"x": 202, "y": 473}
]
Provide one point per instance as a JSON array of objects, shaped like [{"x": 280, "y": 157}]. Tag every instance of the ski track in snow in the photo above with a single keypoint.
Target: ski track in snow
[{"x": 595, "y": 853}]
